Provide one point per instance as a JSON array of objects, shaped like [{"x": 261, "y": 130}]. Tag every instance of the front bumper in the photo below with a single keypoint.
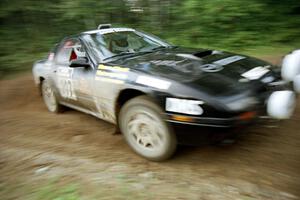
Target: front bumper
[
  {"x": 208, "y": 130},
  {"x": 236, "y": 121}
]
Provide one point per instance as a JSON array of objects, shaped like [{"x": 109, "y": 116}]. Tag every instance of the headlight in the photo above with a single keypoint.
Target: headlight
[
  {"x": 242, "y": 103},
  {"x": 185, "y": 106}
]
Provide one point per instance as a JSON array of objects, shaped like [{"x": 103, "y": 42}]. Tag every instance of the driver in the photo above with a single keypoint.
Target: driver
[{"x": 119, "y": 43}]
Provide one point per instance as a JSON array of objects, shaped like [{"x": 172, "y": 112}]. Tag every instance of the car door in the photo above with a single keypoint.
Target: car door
[
  {"x": 63, "y": 73},
  {"x": 73, "y": 84},
  {"x": 83, "y": 78}
]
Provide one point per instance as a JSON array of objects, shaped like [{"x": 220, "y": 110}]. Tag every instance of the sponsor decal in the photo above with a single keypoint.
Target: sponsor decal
[
  {"x": 228, "y": 60},
  {"x": 211, "y": 67},
  {"x": 153, "y": 82},
  {"x": 171, "y": 63},
  {"x": 112, "y": 74},
  {"x": 113, "y": 68},
  {"x": 256, "y": 72}
]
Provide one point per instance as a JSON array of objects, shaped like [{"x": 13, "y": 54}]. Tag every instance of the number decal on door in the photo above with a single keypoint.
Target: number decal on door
[{"x": 65, "y": 83}]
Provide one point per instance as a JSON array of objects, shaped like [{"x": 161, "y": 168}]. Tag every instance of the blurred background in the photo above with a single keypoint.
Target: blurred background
[{"x": 29, "y": 28}]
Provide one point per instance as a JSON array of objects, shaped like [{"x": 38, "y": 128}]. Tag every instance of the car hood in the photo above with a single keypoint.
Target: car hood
[{"x": 215, "y": 72}]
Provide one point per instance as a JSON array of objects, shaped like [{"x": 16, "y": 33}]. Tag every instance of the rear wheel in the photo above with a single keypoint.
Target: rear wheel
[
  {"x": 49, "y": 97},
  {"x": 145, "y": 130}
]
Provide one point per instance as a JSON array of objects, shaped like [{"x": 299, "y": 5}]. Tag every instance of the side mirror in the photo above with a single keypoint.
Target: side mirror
[{"x": 80, "y": 62}]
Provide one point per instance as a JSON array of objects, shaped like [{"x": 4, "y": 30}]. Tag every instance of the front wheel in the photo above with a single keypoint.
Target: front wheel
[
  {"x": 49, "y": 97},
  {"x": 145, "y": 130}
]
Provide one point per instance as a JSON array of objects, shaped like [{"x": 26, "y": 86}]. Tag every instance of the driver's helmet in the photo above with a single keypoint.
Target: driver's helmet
[{"x": 119, "y": 42}]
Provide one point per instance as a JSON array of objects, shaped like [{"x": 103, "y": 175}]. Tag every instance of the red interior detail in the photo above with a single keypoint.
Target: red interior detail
[{"x": 73, "y": 56}]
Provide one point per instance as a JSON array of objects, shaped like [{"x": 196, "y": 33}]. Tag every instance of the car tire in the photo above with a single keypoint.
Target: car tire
[
  {"x": 49, "y": 97},
  {"x": 145, "y": 130}
]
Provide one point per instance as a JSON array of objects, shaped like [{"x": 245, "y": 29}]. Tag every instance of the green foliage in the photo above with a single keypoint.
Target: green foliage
[
  {"x": 52, "y": 192},
  {"x": 43, "y": 190},
  {"x": 29, "y": 28}
]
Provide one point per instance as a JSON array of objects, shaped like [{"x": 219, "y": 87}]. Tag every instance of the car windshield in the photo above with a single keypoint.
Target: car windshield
[{"x": 115, "y": 44}]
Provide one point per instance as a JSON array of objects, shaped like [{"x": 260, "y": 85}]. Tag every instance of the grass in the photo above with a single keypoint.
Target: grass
[
  {"x": 50, "y": 191},
  {"x": 62, "y": 189},
  {"x": 54, "y": 192}
]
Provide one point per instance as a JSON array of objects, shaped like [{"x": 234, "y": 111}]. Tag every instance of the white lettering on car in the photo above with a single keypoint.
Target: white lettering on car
[
  {"x": 153, "y": 82},
  {"x": 228, "y": 60},
  {"x": 65, "y": 83}
]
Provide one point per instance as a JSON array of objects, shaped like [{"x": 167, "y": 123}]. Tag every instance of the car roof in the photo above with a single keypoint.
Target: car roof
[{"x": 107, "y": 30}]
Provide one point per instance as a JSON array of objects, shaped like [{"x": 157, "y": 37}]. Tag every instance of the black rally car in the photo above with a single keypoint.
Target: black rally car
[{"x": 146, "y": 86}]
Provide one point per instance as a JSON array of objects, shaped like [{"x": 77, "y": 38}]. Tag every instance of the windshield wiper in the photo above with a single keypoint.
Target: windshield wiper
[
  {"x": 129, "y": 53},
  {"x": 120, "y": 54}
]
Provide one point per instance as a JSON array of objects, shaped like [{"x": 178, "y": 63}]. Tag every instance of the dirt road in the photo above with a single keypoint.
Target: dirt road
[{"x": 37, "y": 146}]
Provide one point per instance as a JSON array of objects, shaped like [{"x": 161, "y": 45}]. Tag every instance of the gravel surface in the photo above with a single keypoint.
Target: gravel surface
[{"x": 37, "y": 146}]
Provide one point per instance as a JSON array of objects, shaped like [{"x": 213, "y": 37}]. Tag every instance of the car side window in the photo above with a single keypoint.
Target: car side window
[
  {"x": 64, "y": 52},
  {"x": 69, "y": 50}
]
